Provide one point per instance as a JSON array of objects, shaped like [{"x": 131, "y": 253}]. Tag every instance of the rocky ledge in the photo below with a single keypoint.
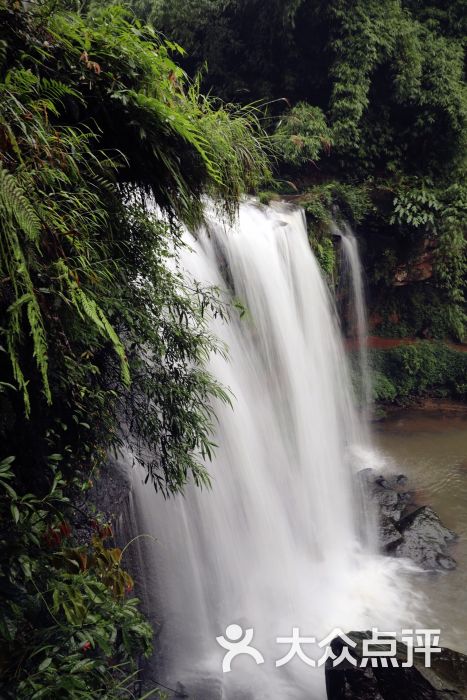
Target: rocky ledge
[
  {"x": 407, "y": 529},
  {"x": 446, "y": 678}
]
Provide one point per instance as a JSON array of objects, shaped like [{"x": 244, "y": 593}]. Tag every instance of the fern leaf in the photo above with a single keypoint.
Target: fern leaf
[
  {"x": 40, "y": 343},
  {"x": 17, "y": 206},
  {"x": 17, "y": 372},
  {"x": 56, "y": 91},
  {"x": 89, "y": 307},
  {"x": 3, "y": 51}
]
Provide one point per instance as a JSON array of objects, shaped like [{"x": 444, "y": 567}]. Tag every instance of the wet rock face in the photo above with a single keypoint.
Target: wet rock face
[
  {"x": 425, "y": 540},
  {"x": 389, "y": 535},
  {"x": 446, "y": 679},
  {"x": 405, "y": 528}
]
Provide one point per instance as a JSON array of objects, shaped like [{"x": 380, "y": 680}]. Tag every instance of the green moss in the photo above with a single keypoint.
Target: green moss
[
  {"x": 266, "y": 196},
  {"x": 422, "y": 369},
  {"x": 326, "y": 255},
  {"x": 383, "y": 388}
]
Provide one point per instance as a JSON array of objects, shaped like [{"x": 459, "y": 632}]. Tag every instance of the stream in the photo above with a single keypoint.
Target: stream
[{"x": 430, "y": 447}]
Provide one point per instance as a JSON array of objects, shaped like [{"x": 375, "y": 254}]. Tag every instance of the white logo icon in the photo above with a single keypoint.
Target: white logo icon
[{"x": 235, "y": 646}]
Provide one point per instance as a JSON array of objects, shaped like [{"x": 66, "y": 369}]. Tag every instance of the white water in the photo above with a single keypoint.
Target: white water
[
  {"x": 277, "y": 542},
  {"x": 353, "y": 278}
]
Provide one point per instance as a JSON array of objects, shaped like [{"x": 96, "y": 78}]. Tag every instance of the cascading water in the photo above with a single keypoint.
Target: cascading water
[
  {"x": 353, "y": 278},
  {"x": 276, "y": 543}
]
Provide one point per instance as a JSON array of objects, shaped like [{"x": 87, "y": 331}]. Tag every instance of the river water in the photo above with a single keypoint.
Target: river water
[{"x": 430, "y": 447}]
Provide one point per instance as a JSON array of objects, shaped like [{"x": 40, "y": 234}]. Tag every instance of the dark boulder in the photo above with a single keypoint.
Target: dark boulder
[
  {"x": 396, "y": 481},
  {"x": 425, "y": 539},
  {"x": 445, "y": 679},
  {"x": 388, "y": 501},
  {"x": 389, "y": 535},
  {"x": 406, "y": 529}
]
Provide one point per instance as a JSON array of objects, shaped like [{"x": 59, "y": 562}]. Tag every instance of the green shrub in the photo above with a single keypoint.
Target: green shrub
[
  {"x": 383, "y": 389},
  {"x": 302, "y": 135},
  {"x": 421, "y": 369},
  {"x": 325, "y": 254},
  {"x": 321, "y": 202},
  {"x": 68, "y": 626}
]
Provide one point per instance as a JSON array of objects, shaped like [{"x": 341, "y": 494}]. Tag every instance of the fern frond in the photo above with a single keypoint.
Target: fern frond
[
  {"x": 37, "y": 330},
  {"x": 106, "y": 184},
  {"x": 87, "y": 306},
  {"x": 12, "y": 138},
  {"x": 117, "y": 345},
  {"x": 3, "y": 50},
  {"x": 16, "y": 205},
  {"x": 17, "y": 372},
  {"x": 39, "y": 342},
  {"x": 56, "y": 91}
]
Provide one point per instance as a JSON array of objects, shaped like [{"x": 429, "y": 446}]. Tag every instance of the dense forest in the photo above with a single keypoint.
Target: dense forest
[
  {"x": 116, "y": 120},
  {"x": 366, "y": 104}
]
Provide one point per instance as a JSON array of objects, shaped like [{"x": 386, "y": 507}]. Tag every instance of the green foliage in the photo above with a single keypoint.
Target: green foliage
[
  {"x": 425, "y": 223},
  {"x": 266, "y": 196},
  {"x": 93, "y": 125},
  {"x": 40, "y": 203},
  {"x": 325, "y": 202},
  {"x": 421, "y": 369},
  {"x": 422, "y": 312},
  {"x": 362, "y": 38},
  {"x": 322, "y": 202},
  {"x": 388, "y": 76},
  {"x": 325, "y": 254},
  {"x": 382, "y": 44},
  {"x": 416, "y": 208},
  {"x": 384, "y": 82},
  {"x": 107, "y": 148},
  {"x": 177, "y": 143},
  {"x": 451, "y": 268},
  {"x": 67, "y": 626},
  {"x": 169, "y": 410},
  {"x": 384, "y": 390},
  {"x": 243, "y": 42},
  {"x": 302, "y": 135}
]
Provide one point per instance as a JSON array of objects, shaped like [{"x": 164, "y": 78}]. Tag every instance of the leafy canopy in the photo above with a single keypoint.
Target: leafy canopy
[
  {"x": 382, "y": 82},
  {"x": 106, "y": 150}
]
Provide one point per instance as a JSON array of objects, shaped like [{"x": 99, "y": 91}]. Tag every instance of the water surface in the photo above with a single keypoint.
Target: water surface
[{"x": 430, "y": 447}]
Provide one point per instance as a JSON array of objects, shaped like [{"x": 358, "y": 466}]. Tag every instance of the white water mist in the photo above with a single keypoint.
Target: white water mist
[
  {"x": 277, "y": 543},
  {"x": 351, "y": 271}
]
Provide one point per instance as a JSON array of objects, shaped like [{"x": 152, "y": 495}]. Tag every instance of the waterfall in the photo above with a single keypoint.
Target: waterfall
[
  {"x": 353, "y": 279},
  {"x": 276, "y": 543}
]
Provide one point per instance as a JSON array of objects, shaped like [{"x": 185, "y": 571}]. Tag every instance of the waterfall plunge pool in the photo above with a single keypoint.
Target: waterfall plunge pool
[{"x": 429, "y": 445}]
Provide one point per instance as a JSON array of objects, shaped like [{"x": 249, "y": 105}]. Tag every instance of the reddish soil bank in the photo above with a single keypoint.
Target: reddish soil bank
[
  {"x": 378, "y": 343},
  {"x": 435, "y": 411}
]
